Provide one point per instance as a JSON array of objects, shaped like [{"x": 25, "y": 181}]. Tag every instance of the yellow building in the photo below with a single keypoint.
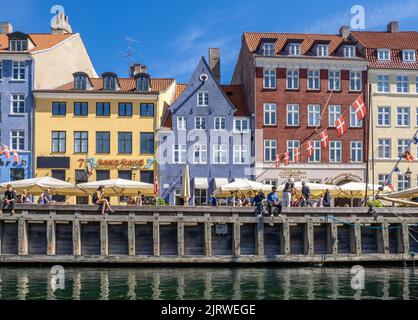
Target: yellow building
[
  {"x": 100, "y": 128},
  {"x": 393, "y": 80}
]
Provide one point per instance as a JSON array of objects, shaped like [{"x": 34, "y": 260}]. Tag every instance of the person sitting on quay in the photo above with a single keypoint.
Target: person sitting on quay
[
  {"x": 258, "y": 202},
  {"x": 246, "y": 201},
  {"x": 10, "y": 199},
  {"x": 45, "y": 197},
  {"x": 273, "y": 201},
  {"x": 327, "y": 199},
  {"x": 99, "y": 199},
  {"x": 25, "y": 198},
  {"x": 139, "y": 199}
]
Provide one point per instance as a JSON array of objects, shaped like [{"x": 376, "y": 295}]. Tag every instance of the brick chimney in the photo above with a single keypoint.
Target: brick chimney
[
  {"x": 345, "y": 31},
  {"x": 6, "y": 27},
  {"x": 393, "y": 27},
  {"x": 61, "y": 24},
  {"x": 138, "y": 68},
  {"x": 215, "y": 63}
]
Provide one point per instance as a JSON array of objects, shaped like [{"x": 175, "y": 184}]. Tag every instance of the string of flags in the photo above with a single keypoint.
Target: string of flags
[
  {"x": 7, "y": 152},
  {"x": 360, "y": 110}
]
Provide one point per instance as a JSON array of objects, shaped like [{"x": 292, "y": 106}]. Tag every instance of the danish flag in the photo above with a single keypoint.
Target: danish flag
[
  {"x": 341, "y": 126},
  {"x": 296, "y": 155},
  {"x": 360, "y": 108},
  {"x": 15, "y": 156},
  {"x": 324, "y": 138},
  {"x": 7, "y": 152},
  {"x": 286, "y": 158},
  {"x": 408, "y": 156},
  {"x": 310, "y": 148},
  {"x": 278, "y": 161},
  {"x": 1, "y": 150}
]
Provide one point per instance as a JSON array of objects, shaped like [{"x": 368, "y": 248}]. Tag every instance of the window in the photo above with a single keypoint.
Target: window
[
  {"x": 402, "y": 117},
  {"x": 271, "y": 182},
  {"x": 181, "y": 123},
  {"x": 241, "y": 125},
  {"x": 17, "y": 140},
  {"x": 268, "y": 49},
  {"x": 125, "y": 109},
  {"x": 18, "y": 103},
  {"x": 200, "y": 154},
  {"x": 109, "y": 83},
  {"x": 17, "y": 174},
  {"x": 402, "y": 146},
  {"x": 220, "y": 123},
  {"x": 404, "y": 182},
  {"x": 322, "y": 50},
  {"x": 269, "y": 78},
  {"x": 383, "y": 54},
  {"x": 147, "y": 176},
  {"x": 18, "y": 45},
  {"x": 383, "y": 148},
  {"x": 102, "y": 142},
  {"x": 416, "y": 84},
  {"x": 270, "y": 150},
  {"x": 102, "y": 175},
  {"x": 147, "y": 142},
  {"x": 179, "y": 153},
  {"x": 292, "y": 79},
  {"x": 354, "y": 121},
  {"x": 178, "y": 199},
  {"x": 125, "y": 142},
  {"x": 81, "y": 141},
  {"x": 291, "y": 146},
  {"x": 355, "y": 81},
  {"x": 19, "y": 70},
  {"x": 81, "y": 177},
  {"x": 293, "y": 115},
  {"x": 314, "y": 115},
  {"x": 103, "y": 109},
  {"x": 316, "y": 155},
  {"x": 383, "y": 116},
  {"x": 142, "y": 83},
  {"x": 408, "y": 56},
  {"x": 240, "y": 154},
  {"x": 334, "y": 112},
  {"x": 270, "y": 114},
  {"x": 146, "y": 110},
  {"x": 202, "y": 99},
  {"x": 334, "y": 80},
  {"x": 356, "y": 151},
  {"x": 382, "y": 83},
  {"x": 59, "y": 141},
  {"x": 126, "y": 175},
  {"x": 402, "y": 84},
  {"x": 382, "y": 179},
  {"x": 80, "y": 82},
  {"x": 294, "y": 49},
  {"x": 416, "y": 123},
  {"x": 220, "y": 154},
  {"x": 60, "y": 175},
  {"x": 335, "y": 151},
  {"x": 200, "y": 123},
  {"x": 200, "y": 197},
  {"x": 81, "y": 109},
  {"x": 59, "y": 108},
  {"x": 349, "y": 51},
  {"x": 314, "y": 82},
  {"x": 1, "y": 70}
]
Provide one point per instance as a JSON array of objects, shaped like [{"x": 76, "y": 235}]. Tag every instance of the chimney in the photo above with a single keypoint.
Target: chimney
[
  {"x": 138, "y": 68},
  {"x": 6, "y": 27},
  {"x": 393, "y": 27},
  {"x": 345, "y": 31},
  {"x": 215, "y": 63},
  {"x": 61, "y": 24}
]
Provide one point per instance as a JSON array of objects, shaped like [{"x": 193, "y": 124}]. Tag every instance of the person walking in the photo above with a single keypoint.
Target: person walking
[
  {"x": 99, "y": 199},
  {"x": 327, "y": 199},
  {"x": 306, "y": 193},
  {"x": 287, "y": 192},
  {"x": 273, "y": 201},
  {"x": 10, "y": 199}
]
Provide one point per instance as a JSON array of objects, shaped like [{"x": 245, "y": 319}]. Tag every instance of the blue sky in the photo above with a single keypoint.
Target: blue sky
[{"x": 171, "y": 35}]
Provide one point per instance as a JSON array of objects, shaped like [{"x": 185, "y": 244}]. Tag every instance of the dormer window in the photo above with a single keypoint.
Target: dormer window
[
  {"x": 383, "y": 54},
  {"x": 142, "y": 82},
  {"x": 18, "y": 45},
  {"x": 322, "y": 50},
  {"x": 408, "y": 56},
  {"x": 349, "y": 51},
  {"x": 80, "y": 82},
  {"x": 294, "y": 49},
  {"x": 109, "y": 83},
  {"x": 268, "y": 49}
]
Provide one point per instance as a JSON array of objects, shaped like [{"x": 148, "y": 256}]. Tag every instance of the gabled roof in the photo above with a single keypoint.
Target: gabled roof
[{"x": 41, "y": 41}]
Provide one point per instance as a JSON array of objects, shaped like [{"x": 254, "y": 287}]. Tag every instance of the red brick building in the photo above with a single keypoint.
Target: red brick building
[{"x": 297, "y": 85}]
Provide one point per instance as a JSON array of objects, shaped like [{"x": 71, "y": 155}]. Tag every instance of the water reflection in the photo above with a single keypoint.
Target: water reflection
[{"x": 208, "y": 283}]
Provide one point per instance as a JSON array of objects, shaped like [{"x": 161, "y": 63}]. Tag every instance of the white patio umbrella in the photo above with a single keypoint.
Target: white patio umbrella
[
  {"x": 404, "y": 194},
  {"x": 358, "y": 190},
  {"x": 317, "y": 189},
  {"x": 242, "y": 185},
  {"x": 36, "y": 186},
  {"x": 118, "y": 187},
  {"x": 185, "y": 185}
]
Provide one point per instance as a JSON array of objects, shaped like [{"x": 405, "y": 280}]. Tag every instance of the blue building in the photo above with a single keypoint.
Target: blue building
[{"x": 209, "y": 128}]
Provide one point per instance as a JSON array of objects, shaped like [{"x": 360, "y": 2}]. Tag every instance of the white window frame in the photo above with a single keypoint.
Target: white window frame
[
  {"x": 181, "y": 123},
  {"x": 409, "y": 55},
  {"x": 271, "y": 110},
  {"x": 335, "y": 148},
  {"x": 316, "y": 152},
  {"x": 314, "y": 113},
  {"x": 402, "y": 146},
  {"x": 20, "y": 101},
  {"x": 199, "y": 121},
  {"x": 268, "y": 49},
  {"x": 294, "y": 49},
  {"x": 354, "y": 121},
  {"x": 239, "y": 121},
  {"x": 19, "y": 135},
  {"x": 219, "y": 123},
  {"x": 322, "y": 50},
  {"x": 239, "y": 154},
  {"x": 356, "y": 149},
  {"x": 181, "y": 151},
  {"x": 203, "y": 99},
  {"x": 334, "y": 80},
  {"x": 404, "y": 182},
  {"x": 383, "y": 116},
  {"x": 349, "y": 51},
  {"x": 356, "y": 81},
  {"x": 269, "y": 78},
  {"x": 19, "y": 66},
  {"x": 202, "y": 151},
  {"x": 292, "y": 112},
  {"x": 292, "y": 79},
  {"x": 314, "y": 79},
  {"x": 270, "y": 146},
  {"x": 382, "y": 178},
  {"x": 402, "y": 84},
  {"x": 18, "y": 45},
  {"x": 383, "y": 54},
  {"x": 334, "y": 112},
  {"x": 384, "y": 148},
  {"x": 383, "y": 83},
  {"x": 402, "y": 117},
  {"x": 291, "y": 146},
  {"x": 220, "y": 151}
]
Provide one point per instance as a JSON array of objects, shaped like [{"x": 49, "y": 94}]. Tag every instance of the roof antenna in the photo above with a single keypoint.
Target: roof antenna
[{"x": 130, "y": 51}]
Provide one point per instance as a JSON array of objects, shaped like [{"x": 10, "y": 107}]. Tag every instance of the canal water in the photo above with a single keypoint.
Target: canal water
[{"x": 207, "y": 283}]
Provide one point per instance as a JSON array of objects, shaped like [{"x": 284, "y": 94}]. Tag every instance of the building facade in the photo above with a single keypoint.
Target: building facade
[
  {"x": 393, "y": 82},
  {"x": 100, "y": 128},
  {"x": 298, "y": 85},
  {"x": 29, "y": 61},
  {"x": 208, "y": 128}
]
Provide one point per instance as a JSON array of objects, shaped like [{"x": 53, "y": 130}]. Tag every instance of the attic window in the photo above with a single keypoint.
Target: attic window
[
  {"x": 383, "y": 54},
  {"x": 268, "y": 49},
  {"x": 408, "y": 56},
  {"x": 142, "y": 83},
  {"x": 80, "y": 82},
  {"x": 322, "y": 50},
  {"x": 294, "y": 49},
  {"x": 109, "y": 83},
  {"x": 229, "y": 93},
  {"x": 18, "y": 45}
]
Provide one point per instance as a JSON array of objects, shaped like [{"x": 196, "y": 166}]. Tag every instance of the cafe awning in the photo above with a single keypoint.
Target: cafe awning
[
  {"x": 219, "y": 182},
  {"x": 201, "y": 183}
]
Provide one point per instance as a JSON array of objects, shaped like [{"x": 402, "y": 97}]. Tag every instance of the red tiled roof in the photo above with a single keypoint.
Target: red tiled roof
[
  {"x": 395, "y": 41},
  {"x": 41, "y": 41},
  {"x": 179, "y": 90},
  {"x": 254, "y": 39}
]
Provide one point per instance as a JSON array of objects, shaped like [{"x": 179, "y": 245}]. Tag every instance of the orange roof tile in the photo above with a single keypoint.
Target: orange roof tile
[{"x": 41, "y": 41}]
